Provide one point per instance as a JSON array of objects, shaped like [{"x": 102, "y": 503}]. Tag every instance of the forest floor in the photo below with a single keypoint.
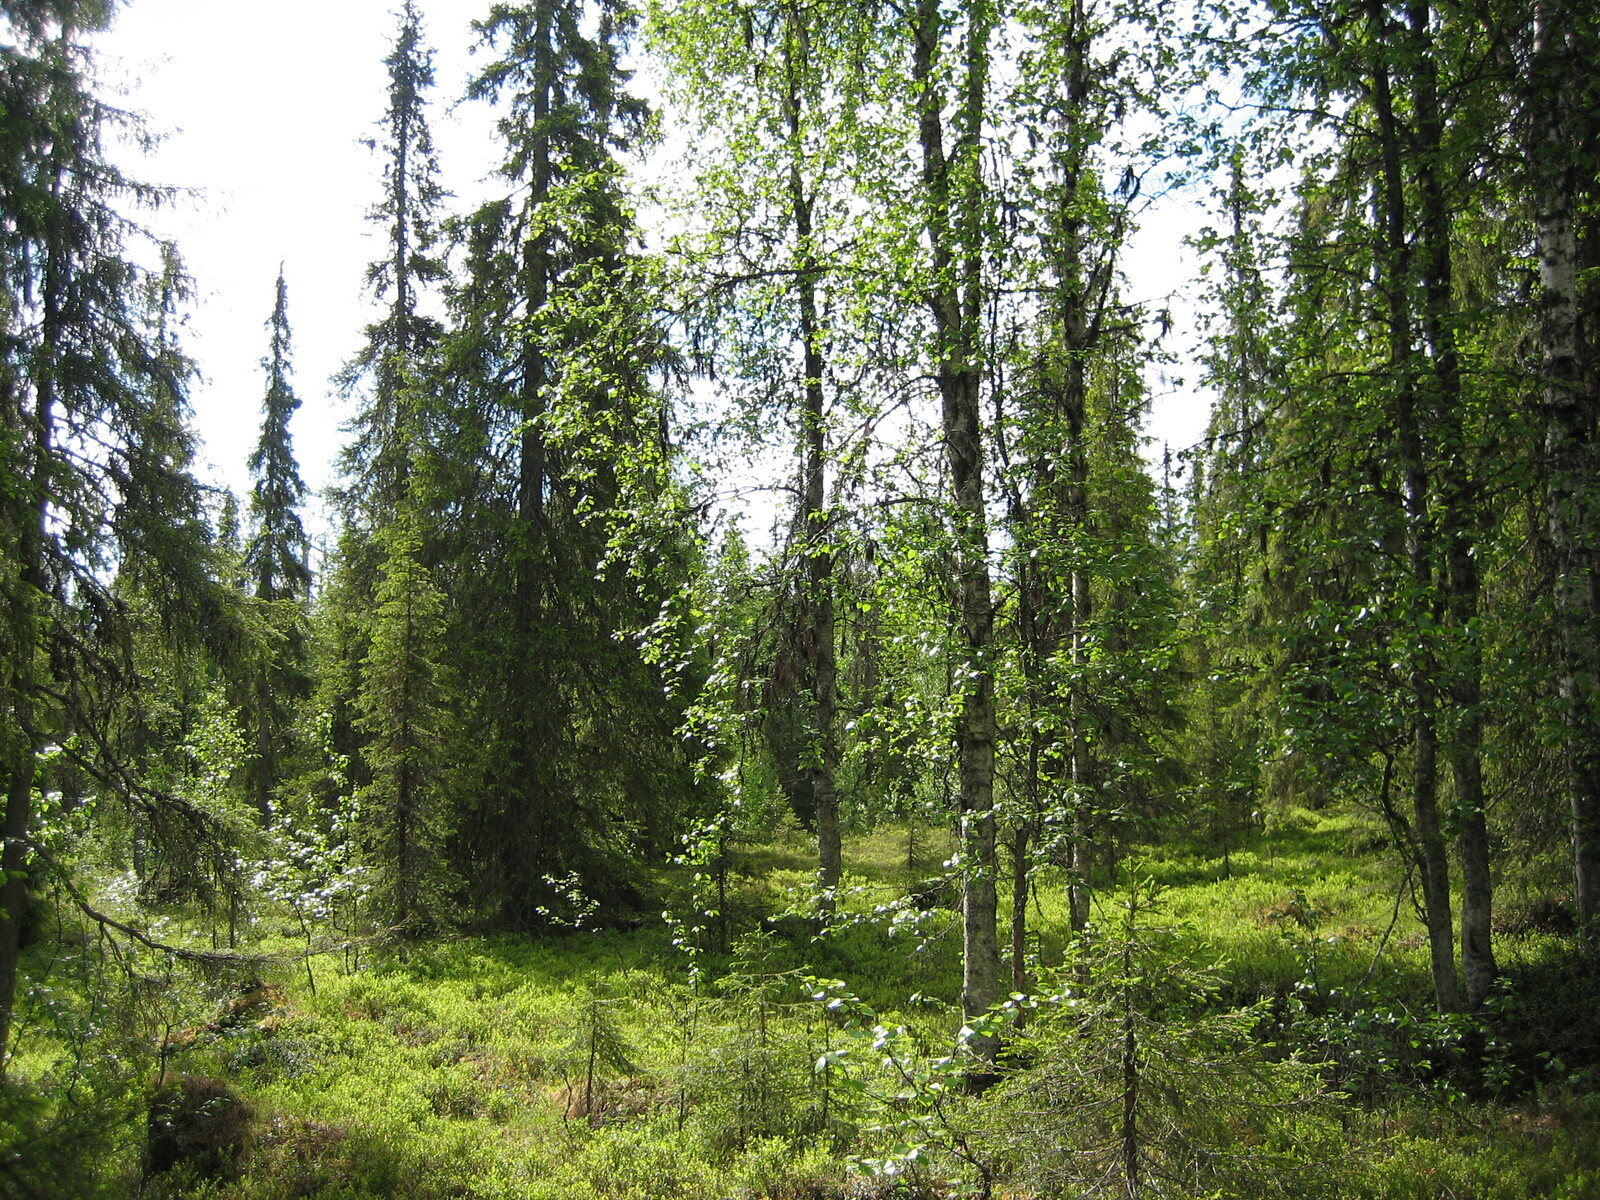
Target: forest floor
[{"x": 777, "y": 1064}]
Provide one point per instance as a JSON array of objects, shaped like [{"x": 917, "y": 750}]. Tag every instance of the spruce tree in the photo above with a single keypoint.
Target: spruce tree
[
  {"x": 379, "y": 465},
  {"x": 1233, "y": 655},
  {"x": 578, "y": 770},
  {"x": 275, "y": 556},
  {"x": 86, "y": 359},
  {"x": 403, "y": 712},
  {"x": 379, "y": 459},
  {"x": 275, "y": 563}
]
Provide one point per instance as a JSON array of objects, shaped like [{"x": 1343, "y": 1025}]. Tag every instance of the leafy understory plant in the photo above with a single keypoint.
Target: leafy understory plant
[
  {"x": 916, "y": 1106},
  {"x": 1128, "y": 1079},
  {"x": 314, "y": 872}
]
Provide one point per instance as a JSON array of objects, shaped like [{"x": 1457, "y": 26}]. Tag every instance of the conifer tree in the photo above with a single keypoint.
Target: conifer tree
[
  {"x": 1234, "y": 656},
  {"x": 559, "y": 438},
  {"x": 86, "y": 359},
  {"x": 275, "y": 564},
  {"x": 390, "y": 429},
  {"x": 275, "y": 556},
  {"x": 403, "y": 713},
  {"x": 378, "y": 461}
]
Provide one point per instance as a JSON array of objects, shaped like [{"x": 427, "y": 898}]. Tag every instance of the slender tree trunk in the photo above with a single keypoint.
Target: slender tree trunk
[
  {"x": 1478, "y": 967},
  {"x": 391, "y": 371},
  {"x": 18, "y": 815},
  {"x": 1570, "y": 410},
  {"x": 37, "y": 432},
  {"x": 821, "y": 752},
  {"x": 1037, "y": 637},
  {"x": 1059, "y": 499},
  {"x": 1081, "y": 766},
  {"x": 533, "y": 470},
  {"x": 1130, "y": 1065},
  {"x": 405, "y": 790},
  {"x": 1423, "y": 668},
  {"x": 954, "y": 224},
  {"x": 266, "y": 769},
  {"x": 1459, "y": 522},
  {"x": 402, "y": 310},
  {"x": 1078, "y": 334},
  {"x": 1020, "y": 881}
]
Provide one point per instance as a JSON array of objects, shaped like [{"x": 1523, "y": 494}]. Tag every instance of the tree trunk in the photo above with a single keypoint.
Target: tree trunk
[
  {"x": 266, "y": 768},
  {"x": 1079, "y": 333},
  {"x": 1570, "y": 411},
  {"x": 1020, "y": 879},
  {"x": 1081, "y": 769},
  {"x": 533, "y": 469},
  {"x": 953, "y": 195},
  {"x": 1460, "y": 522},
  {"x": 1423, "y": 667},
  {"x": 1130, "y": 1066},
  {"x": 821, "y": 751},
  {"x": 36, "y": 432},
  {"x": 14, "y": 857}
]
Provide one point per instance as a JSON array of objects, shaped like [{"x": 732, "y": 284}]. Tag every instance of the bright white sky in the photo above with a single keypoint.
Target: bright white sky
[{"x": 264, "y": 106}]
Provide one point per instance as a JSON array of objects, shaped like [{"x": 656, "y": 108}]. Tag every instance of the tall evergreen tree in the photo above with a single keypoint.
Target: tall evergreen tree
[
  {"x": 403, "y": 714},
  {"x": 1234, "y": 653},
  {"x": 275, "y": 562},
  {"x": 86, "y": 360},
  {"x": 377, "y": 462},
  {"x": 391, "y": 427},
  {"x": 275, "y": 555},
  {"x": 577, "y": 770}
]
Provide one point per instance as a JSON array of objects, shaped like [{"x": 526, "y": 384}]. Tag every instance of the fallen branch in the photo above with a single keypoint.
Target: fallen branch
[{"x": 215, "y": 958}]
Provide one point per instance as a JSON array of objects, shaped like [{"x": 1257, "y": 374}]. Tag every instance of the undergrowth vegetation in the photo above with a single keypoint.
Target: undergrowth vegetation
[{"x": 1258, "y": 1027}]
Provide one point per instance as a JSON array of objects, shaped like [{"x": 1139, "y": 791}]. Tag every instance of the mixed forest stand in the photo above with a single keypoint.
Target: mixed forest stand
[{"x": 1286, "y": 749}]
